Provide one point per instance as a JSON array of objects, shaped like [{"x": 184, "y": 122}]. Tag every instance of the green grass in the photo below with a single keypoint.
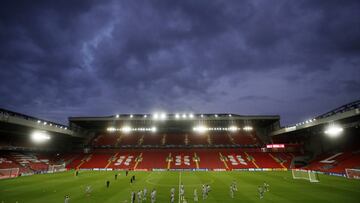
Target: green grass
[{"x": 52, "y": 187}]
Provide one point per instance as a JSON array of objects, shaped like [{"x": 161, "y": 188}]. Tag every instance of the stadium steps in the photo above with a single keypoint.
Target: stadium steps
[
  {"x": 231, "y": 138},
  {"x": 252, "y": 159},
  {"x": 196, "y": 160},
  {"x": 84, "y": 160},
  {"x": 224, "y": 159},
  {"x": 208, "y": 138},
  {"x": 186, "y": 139},
  {"x": 138, "y": 159},
  {"x": 112, "y": 159},
  {"x": 169, "y": 159},
  {"x": 141, "y": 140},
  {"x": 277, "y": 160},
  {"x": 163, "y": 140},
  {"x": 118, "y": 140}
]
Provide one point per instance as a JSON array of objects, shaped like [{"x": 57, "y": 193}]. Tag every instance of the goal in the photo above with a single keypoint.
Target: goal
[
  {"x": 9, "y": 173},
  {"x": 353, "y": 173},
  {"x": 56, "y": 168},
  {"x": 312, "y": 176}
]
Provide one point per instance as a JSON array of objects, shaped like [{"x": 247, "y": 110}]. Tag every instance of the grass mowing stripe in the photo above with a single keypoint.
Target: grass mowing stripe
[{"x": 179, "y": 184}]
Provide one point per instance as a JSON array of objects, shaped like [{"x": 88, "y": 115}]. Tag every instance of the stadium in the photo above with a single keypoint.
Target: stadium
[
  {"x": 235, "y": 155},
  {"x": 179, "y": 101}
]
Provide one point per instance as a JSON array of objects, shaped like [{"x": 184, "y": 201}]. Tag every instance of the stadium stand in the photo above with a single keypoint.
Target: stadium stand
[
  {"x": 335, "y": 162},
  {"x": 225, "y": 159}
]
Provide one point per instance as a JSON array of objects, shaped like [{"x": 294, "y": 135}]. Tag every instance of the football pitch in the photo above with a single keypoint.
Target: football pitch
[{"x": 53, "y": 187}]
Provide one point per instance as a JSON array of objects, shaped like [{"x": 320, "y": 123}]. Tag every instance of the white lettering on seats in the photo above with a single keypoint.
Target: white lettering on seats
[
  {"x": 236, "y": 160},
  {"x": 182, "y": 160},
  {"x": 330, "y": 160},
  {"x": 124, "y": 160}
]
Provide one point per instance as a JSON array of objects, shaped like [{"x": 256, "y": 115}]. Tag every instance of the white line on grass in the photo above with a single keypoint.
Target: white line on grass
[{"x": 179, "y": 185}]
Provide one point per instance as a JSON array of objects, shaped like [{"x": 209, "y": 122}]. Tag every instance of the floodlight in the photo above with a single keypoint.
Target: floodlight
[
  {"x": 216, "y": 115},
  {"x": 117, "y": 116},
  {"x": 50, "y": 124},
  {"x": 131, "y": 116},
  {"x": 202, "y": 116},
  {"x": 184, "y": 116},
  {"x": 248, "y": 128},
  {"x": 200, "y": 129},
  {"x": 177, "y": 116},
  {"x": 65, "y": 128},
  {"x": 126, "y": 129},
  {"x": 38, "y": 121},
  {"x": 233, "y": 128},
  {"x": 145, "y": 116},
  {"x": 191, "y": 116},
  {"x": 111, "y": 129},
  {"x": 334, "y": 131},
  {"x": 153, "y": 129},
  {"x": 163, "y": 116},
  {"x": 230, "y": 115},
  {"x": 156, "y": 116},
  {"x": 45, "y": 123},
  {"x": 39, "y": 136}
]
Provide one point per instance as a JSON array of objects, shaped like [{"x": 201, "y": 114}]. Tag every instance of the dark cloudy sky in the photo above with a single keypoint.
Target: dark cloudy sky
[{"x": 297, "y": 58}]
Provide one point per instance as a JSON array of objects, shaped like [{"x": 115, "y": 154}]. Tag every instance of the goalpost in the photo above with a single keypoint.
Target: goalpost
[
  {"x": 353, "y": 173},
  {"x": 56, "y": 168},
  {"x": 312, "y": 176},
  {"x": 9, "y": 173}
]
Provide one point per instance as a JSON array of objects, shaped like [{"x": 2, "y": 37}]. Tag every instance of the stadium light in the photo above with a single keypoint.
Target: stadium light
[
  {"x": 177, "y": 116},
  {"x": 156, "y": 116},
  {"x": 248, "y": 128},
  {"x": 334, "y": 131},
  {"x": 45, "y": 123},
  {"x": 184, "y": 116},
  {"x": 111, "y": 129},
  {"x": 117, "y": 116},
  {"x": 131, "y": 116},
  {"x": 39, "y": 136},
  {"x": 126, "y": 129},
  {"x": 233, "y": 128},
  {"x": 202, "y": 116},
  {"x": 163, "y": 116},
  {"x": 153, "y": 129},
  {"x": 191, "y": 115},
  {"x": 145, "y": 116},
  {"x": 216, "y": 115},
  {"x": 38, "y": 121},
  {"x": 230, "y": 115},
  {"x": 200, "y": 129}
]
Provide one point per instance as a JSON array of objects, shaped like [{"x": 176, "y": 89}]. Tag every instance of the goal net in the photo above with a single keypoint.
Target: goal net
[
  {"x": 9, "y": 173},
  {"x": 353, "y": 173},
  {"x": 312, "y": 176},
  {"x": 56, "y": 168}
]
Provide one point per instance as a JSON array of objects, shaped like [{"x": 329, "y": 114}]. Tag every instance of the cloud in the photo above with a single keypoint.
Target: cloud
[{"x": 105, "y": 57}]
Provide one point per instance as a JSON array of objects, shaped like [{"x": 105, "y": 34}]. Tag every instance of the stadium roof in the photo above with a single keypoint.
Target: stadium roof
[
  {"x": 24, "y": 123},
  {"x": 348, "y": 115},
  {"x": 171, "y": 121}
]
